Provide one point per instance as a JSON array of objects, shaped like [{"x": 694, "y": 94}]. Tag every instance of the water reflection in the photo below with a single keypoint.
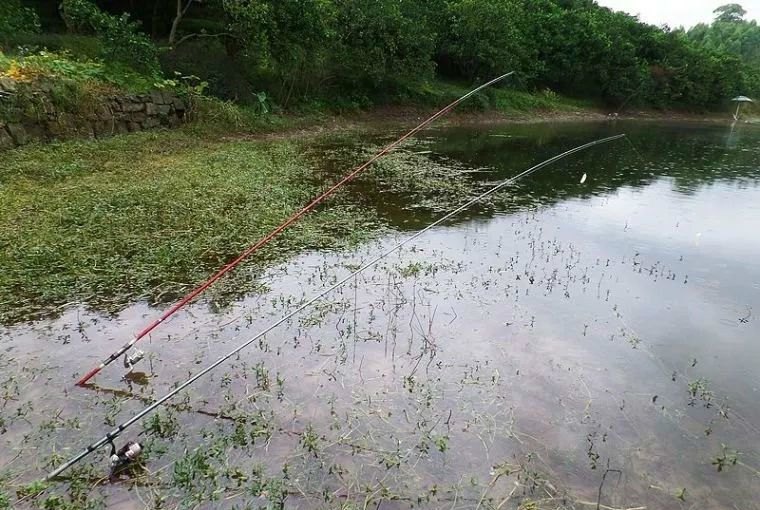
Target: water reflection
[{"x": 691, "y": 155}]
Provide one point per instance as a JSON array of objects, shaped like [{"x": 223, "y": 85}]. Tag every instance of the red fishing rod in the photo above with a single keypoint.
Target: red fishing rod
[{"x": 264, "y": 240}]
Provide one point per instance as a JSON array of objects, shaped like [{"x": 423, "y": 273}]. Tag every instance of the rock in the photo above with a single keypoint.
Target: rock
[
  {"x": 150, "y": 123},
  {"x": 109, "y": 115},
  {"x": 103, "y": 128},
  {"x": 45, "y": 107},
  {"x": 6, "y": 140},
  {"x": 17, "y": 131},
  {"x": 54, "y": 129},
  {"x": 75, "y": 128},
  {"x": 64, "y": 128},
  {"x": 45, "y": 86},
  {"x": 8, "y": 84},
  {"x": 35, "y": 130},
  {"x": 157, "y": 97},
  {"x": 103, "y": 113},
  {"x": 132, "y": 107},
  {"x": 179, "y": 104}
]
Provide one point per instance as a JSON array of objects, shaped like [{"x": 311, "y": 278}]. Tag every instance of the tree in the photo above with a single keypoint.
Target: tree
[
  {"x": 181, "y": 11},
  {"x": 381, "y": 44},
  {"x": 356, "y": 52},
  {"x": 730, "y": 13},
  {"x": 485, "y": 38},
  {"x": 120, "y": 38},
  {"x": 16, "y": 19}
]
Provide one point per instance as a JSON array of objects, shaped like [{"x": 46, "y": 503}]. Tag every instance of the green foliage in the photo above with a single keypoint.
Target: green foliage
[
  {"x": 15, "y": 19},
  {"x": 298, "y": 47},
  {"x": 227, "y": 79},
  {"x": 31, "y": 489},
  {"x": 82, "y": 46},
  {"x": 79, "y": 76},
  {"x": 731, "y": 36},
  {"x": 103, "y": 200},
  {"x": 277, "y": 46},
  {"x": 380, "y": 43},
  {"x": 380, "y": 50},
  {"x": 162, "y": 426},
  {"x": 730, "y": 13},
  {"x": 123, "y": 43},
  {"x": 52, "y": 65},
  {"x": 120, "y": 37},
  {"x": 248, "y": 21},
  {"x": 486, "y": 38},
  {"x": 81, "y": 16},
  {"x": 348, "y": 54},
  {"x": 223, "y": 114},
  {"x": 741, "y": 39}
]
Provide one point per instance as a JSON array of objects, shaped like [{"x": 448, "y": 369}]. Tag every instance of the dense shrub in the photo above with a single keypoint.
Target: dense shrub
[
  {"x": 485, "y": 38},
  {"x": 120, "y": 37},
  {"x": 382, "y": 43},
  {"x": 207, "y": 58},
  {"x": 15, "y": 19},
  {"x": 355, "y": 53}
]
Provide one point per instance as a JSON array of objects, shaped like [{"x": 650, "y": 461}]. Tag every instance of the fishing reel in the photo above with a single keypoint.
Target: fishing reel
[
  {"x": 134, "y": 359},
  {"x": 122, "y": 459},
  {"x": 126, "y": 454}
]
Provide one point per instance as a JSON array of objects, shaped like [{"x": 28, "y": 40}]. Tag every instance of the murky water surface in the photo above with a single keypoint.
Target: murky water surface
[{"x": 521, "y": 353}]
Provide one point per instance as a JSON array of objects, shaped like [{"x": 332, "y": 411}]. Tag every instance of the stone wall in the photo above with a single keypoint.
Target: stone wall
[{"x": 105, "y": 117}]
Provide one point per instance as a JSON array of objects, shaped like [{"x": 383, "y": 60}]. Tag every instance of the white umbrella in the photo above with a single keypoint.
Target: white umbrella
[{"x": 739, "y": 100}]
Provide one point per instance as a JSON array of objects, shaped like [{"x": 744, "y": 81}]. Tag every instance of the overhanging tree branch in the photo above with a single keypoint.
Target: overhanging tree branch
[
  {"x": 190, "y": 36},
  {"x": 181, "y": 11}
]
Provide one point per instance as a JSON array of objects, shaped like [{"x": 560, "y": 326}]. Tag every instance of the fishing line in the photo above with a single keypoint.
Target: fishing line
[
  {"x": 108, "y": 438},
  {"x": 264, "y": 240}
]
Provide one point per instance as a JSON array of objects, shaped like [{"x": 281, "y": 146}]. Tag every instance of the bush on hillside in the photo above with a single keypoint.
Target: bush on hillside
[
  {"x": 15, "y": 19},
  {"x": 120, "y": 37}
]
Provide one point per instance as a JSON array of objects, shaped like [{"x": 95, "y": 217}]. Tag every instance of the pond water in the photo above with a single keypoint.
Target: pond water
[{"x": 566, "y": 346}]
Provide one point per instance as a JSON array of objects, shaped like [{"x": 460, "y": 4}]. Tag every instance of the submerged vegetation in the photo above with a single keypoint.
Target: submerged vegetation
[{"x": 146, "y": 216}]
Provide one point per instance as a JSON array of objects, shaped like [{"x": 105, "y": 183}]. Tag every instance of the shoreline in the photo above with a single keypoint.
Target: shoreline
[{"x": 310, "y": 126}]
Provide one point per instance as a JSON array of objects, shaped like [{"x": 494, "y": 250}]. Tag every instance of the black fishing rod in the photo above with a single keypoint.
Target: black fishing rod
[{"x": 108, "y": 438}]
